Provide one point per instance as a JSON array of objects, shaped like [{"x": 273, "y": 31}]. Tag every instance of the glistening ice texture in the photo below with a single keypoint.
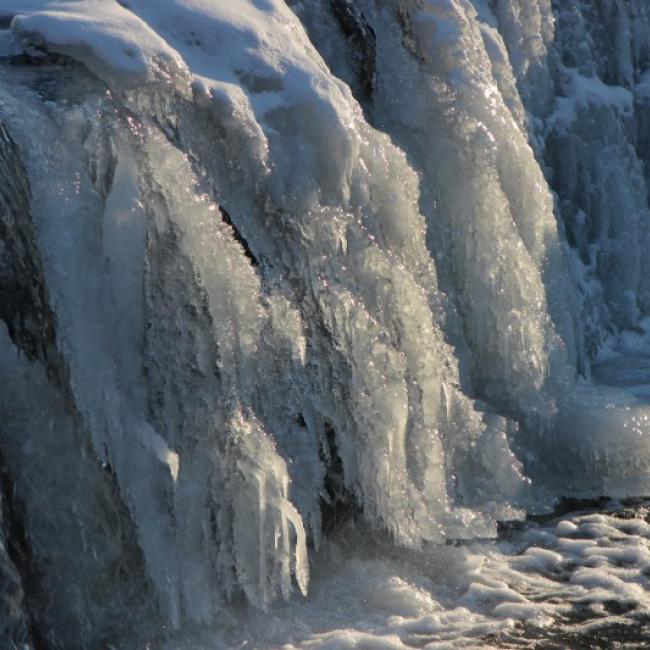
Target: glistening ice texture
[{"x": 298, "y": 259}]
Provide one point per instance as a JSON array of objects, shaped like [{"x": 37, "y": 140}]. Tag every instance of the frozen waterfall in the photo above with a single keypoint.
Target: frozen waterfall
[{"x": 271, "y": 266}]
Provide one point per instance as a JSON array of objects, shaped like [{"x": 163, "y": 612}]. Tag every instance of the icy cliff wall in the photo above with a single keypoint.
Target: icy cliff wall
[{"x": 289, "y": 259}]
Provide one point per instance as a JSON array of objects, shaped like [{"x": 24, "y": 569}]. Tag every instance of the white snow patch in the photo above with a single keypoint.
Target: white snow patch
[
  {"x": 582, "y": 92},
  {"x": 106, "y": 37}
]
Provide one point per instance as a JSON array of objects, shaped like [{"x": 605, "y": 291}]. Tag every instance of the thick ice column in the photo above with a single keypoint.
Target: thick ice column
[
  {"x": 269, "y": 541},
  {"x": 527, "y": 28},
  {"x": 204, "y": 292},
  {"x": 574, "y": 75},
  {"x": 490, "y": 214}
]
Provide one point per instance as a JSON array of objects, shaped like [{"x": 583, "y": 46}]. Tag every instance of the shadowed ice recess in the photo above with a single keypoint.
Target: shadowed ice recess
[{"x": 306, "y": 302}]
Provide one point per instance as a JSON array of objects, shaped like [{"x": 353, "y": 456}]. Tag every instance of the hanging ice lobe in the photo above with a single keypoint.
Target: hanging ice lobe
[
  {"x": 276, "y": 544},
  {"x": 293, "y": 255}
]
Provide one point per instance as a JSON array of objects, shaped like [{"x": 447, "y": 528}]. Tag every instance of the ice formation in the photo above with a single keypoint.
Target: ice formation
[{"x": 267, "y": 262}]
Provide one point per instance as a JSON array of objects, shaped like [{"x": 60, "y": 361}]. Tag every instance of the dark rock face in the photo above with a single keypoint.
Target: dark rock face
[
  {"x": 24, "y": 309},
  {"x": 361, "y": 38},
  {"x": 23, "y": 295},
  {"x": 14, "y": 632},
  {"x": 31, "y": 324},
  {"x": 337, "y": 502},
  {"x": 225, "y": 216}
]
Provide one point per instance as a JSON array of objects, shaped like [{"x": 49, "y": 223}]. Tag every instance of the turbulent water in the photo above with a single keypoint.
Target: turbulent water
[{"x": 307, "y": 306}]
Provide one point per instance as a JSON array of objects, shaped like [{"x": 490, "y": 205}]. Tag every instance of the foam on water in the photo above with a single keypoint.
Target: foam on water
[{"x": 569, "y": 580}]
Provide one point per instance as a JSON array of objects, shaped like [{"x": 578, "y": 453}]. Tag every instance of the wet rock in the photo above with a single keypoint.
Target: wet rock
[
  {"x": 24, "y": 303},
  {"x": 362, "y": 41},
  {"x": 14, "y": 626}
]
